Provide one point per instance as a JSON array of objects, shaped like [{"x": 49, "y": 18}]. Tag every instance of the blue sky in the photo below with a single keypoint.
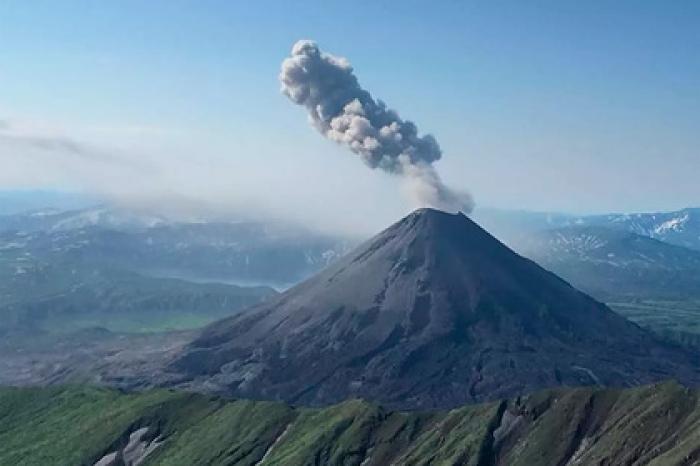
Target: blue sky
[{"x": 577, "y": 106}]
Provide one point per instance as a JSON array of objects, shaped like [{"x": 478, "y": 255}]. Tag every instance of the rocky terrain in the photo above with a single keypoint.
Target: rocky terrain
[{"x": 95, "y": 356}]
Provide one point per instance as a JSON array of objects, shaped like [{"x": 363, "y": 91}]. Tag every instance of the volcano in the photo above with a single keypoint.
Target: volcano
[{"x": 432, "y": 312}]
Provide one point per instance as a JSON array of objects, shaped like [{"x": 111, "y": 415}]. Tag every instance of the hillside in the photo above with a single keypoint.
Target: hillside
[
  {"x": 654, "y": 425},
  {"x": 432, "y": 312},
  {"x": 272, "y": 254},
  {"x": 124, "y": 271},
  {"x": 615, "y": 264},
  {"x": 651, "y": 282},
  {"x": 628, "y": 261},
  {"x": 59, "y": 297}
]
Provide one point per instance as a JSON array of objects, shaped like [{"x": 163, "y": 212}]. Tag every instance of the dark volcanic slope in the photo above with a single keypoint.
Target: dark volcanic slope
[{"x": 432, "y": 312}]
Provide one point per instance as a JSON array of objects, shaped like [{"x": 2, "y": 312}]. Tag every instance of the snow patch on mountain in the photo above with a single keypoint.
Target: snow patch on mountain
[
  {"x": 107, "y": 217},
  {"x": 674, "y": 224}
]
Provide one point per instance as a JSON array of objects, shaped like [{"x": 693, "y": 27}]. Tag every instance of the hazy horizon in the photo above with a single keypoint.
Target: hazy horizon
[{"x": 179, "y": 107}]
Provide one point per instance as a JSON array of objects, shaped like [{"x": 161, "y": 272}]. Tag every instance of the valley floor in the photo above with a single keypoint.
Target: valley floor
[
  {"x": 655, "y": 425},
  {"x": 677, "y": 321}
]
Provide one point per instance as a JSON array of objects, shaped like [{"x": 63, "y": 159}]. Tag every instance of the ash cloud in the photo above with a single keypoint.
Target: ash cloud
[{"x": 340, "y": 109}]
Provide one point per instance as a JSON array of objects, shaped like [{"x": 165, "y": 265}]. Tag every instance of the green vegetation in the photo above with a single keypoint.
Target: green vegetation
[
  {"x": 676, "y": 320},
  {"x": 656, "y": 425},
  {"x": 60, "y": 298}
]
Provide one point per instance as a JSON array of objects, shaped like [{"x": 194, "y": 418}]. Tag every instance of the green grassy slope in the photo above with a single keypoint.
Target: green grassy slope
[
  {"x": 675, "y": 320},
  {"x": 656, "y": 425}
]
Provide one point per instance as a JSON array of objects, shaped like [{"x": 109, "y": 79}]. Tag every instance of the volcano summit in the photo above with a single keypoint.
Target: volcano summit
[{"x": 431, "y": 313}]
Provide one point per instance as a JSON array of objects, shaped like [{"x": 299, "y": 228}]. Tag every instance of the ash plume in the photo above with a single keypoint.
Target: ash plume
[{"x": 340, "y": 109}]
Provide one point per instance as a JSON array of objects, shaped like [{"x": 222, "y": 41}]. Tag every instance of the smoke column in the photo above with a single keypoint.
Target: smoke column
[{"x": 340, "y": 109}]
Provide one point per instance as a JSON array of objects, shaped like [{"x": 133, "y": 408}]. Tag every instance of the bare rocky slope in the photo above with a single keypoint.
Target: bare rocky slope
[{"x": 432, "y": 312}]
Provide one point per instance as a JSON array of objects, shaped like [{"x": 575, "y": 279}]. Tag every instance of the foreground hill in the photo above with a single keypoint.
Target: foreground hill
[
  {"x": 654, "y": 425},
  {"x": 432, "y": 312}
]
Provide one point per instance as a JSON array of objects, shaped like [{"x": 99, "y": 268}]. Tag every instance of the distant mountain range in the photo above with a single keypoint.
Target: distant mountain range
[
  {"x": 681, "y": 227},
  {"x": 280, "y": 255},
  {"x": 126, "y": 271},
  {"x": 49, "y": 291},
  {"x": 614, "y": 263},
  {"x": 21, "y": 201},
  {"x": 271, "y": 254}
]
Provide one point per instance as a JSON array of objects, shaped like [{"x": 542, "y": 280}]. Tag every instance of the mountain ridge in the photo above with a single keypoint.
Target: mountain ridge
[
  {"x": 608, "y": 262},
  {"x": 679, "y": 227},
  {"x": 652, "y": 425}
]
